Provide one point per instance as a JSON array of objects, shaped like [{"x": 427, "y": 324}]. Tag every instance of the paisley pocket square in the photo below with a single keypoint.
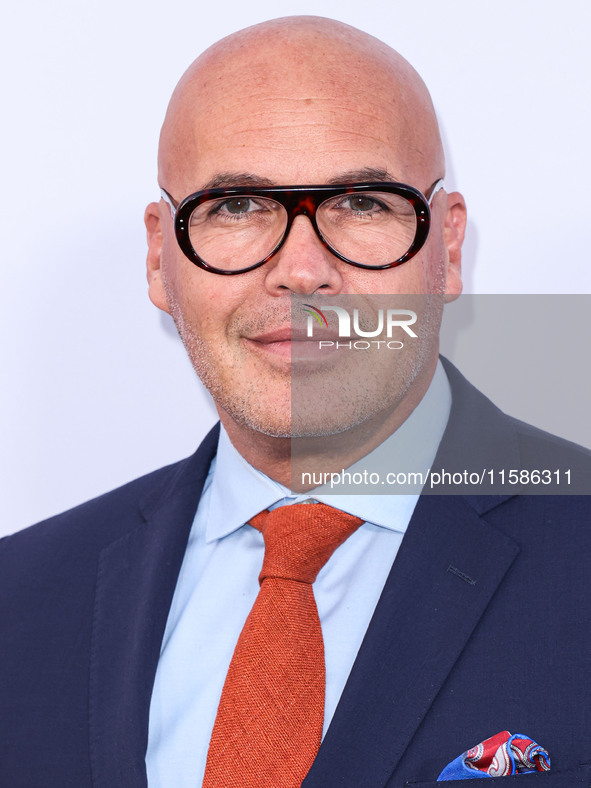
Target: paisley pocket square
[{"x": 500, "y": 756}]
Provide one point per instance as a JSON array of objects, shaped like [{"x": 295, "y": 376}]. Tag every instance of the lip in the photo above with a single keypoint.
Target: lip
[
  {"x": 290, "y": 344},
  {"x": 290, "y": 334}
]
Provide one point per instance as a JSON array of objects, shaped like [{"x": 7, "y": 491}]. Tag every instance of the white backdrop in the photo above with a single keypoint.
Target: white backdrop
[{"x": 95, "y": 387}]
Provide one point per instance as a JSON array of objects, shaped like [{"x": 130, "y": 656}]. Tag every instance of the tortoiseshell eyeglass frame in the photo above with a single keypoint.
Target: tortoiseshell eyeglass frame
[{"x": 302, "y": 200}]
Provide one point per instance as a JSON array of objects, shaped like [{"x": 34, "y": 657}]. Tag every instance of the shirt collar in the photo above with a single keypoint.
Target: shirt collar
[{"x": 239, "y": 491}]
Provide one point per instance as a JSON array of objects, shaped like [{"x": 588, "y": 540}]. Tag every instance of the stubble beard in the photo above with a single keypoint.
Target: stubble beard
[
  {"x": 343, "y": 403},
  {"x": 244, "y": 404}
]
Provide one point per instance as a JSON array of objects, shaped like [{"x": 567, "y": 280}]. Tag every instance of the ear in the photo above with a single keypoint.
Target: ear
[
  {"x": 153, "y": 222},
  {"x": 453, "y": 234}
]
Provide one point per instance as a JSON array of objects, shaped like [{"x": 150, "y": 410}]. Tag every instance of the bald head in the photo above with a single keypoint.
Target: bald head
[{"x": 298, "y": 75}]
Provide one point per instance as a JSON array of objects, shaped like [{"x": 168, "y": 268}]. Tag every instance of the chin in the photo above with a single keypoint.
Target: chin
[
  {"x": 324, "y": 426},
  {"x": 272, "y": 419},
  {"x": 273, "y": 424}
]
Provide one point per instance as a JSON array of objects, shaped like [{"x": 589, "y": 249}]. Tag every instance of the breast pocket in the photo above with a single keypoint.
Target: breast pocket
[{"x": 569, "y": 778}]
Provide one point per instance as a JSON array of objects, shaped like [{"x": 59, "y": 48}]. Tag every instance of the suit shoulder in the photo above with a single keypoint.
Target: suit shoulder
[
  {"x": 113, "y": 513},
  {"x": 480, "y": 437},
  {"x": 539, "y": 443},
  {"x": 96, "y": 521},
  {"x": 81, "y": 532},
  {"x": 567, "y": 464}
]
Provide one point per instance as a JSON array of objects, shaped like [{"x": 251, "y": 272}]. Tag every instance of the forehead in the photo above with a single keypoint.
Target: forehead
[
  {"x": 293, "y": 141},
  {"x": 305, "y": 117}
]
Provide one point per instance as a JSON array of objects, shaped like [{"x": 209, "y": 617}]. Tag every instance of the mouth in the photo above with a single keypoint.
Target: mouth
[{"x": 290, "y": 344}]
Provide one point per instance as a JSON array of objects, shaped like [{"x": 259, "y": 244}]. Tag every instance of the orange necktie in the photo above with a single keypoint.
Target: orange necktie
[{"x": 268, "y": 727}]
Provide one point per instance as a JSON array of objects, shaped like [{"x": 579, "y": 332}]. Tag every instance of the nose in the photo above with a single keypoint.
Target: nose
[{"x": 303, "y": 265}]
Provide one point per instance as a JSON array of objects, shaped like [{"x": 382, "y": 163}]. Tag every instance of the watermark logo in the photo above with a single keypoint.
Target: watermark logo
[
  {"x": 314, "y": 314},
  {"x": 352, "y": 327}
]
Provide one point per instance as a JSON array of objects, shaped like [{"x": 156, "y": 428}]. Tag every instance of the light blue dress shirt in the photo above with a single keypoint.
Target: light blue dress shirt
[{"x": 218, "y": 584}]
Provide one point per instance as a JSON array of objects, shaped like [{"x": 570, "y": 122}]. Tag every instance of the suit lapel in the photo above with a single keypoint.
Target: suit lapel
[
  {"x": 448, "y": 568},
  {"x": 136, "y": 579}
]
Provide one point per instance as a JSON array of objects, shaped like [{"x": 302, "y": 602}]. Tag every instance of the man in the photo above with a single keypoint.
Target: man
[{"x": 122, "y": 617}]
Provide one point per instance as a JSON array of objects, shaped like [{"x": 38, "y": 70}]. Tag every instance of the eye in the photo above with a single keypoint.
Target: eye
[
  {"x": 236, "y": 205},
  {"x": 242, "y": 205},
  {"x": 361, "y": 203},
  {"x": 238, "y": 211}
]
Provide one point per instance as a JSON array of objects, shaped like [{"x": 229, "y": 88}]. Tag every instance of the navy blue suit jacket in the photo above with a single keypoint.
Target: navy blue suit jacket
[{"x": 484, "y": 625}]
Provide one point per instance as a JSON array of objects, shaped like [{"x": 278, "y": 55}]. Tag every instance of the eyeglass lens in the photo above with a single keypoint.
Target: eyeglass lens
[{"x": 369, "y": 227}]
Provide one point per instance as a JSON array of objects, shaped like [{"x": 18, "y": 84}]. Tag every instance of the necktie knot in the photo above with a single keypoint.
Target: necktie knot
[{"x": 300, "y": 538}]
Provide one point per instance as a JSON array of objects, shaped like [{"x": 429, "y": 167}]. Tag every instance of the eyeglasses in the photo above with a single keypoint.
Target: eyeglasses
[{"x": 369, "y": 225}]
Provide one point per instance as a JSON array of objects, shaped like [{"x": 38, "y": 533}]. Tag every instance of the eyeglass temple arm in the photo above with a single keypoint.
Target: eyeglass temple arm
[
  {"x": 437, "y": 186},
  {"x": 169, "y": 201}
]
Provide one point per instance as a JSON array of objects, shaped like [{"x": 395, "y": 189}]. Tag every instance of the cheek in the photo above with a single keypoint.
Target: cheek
[
  {"x": 189, "y": 294},
  {"x": 428, "y": 268},
  {"x": 202, "y": 311},
  {"x": 205, "y": 304},
  {"x": 420, "y": 275}
]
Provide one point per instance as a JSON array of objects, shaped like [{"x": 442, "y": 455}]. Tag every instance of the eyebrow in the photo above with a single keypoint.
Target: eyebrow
[
  {"x": 364, "y": 174},
  {"x": 229, "y": 180}
]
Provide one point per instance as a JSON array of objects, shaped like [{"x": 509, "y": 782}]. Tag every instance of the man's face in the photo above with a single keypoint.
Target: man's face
[{"x": 307, "y": 124}]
